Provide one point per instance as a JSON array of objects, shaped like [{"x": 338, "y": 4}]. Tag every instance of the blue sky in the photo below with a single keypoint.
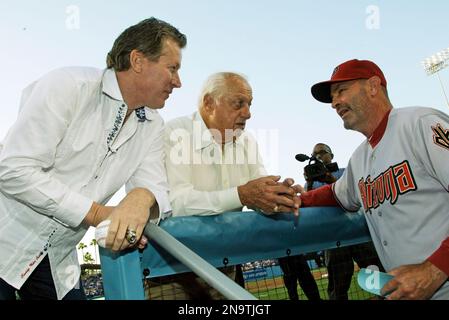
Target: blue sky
[{"x": 282, "y": 46}]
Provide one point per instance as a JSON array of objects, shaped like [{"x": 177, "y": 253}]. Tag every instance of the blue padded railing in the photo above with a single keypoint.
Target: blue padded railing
[{"x": 231, "y": 238}]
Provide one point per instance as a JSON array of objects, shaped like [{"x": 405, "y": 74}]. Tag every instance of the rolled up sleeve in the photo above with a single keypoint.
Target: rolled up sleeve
[{"x": 151, "y": 175}]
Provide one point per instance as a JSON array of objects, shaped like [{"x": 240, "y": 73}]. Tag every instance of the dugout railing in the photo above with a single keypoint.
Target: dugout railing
[{"x": 224, "y": 240}]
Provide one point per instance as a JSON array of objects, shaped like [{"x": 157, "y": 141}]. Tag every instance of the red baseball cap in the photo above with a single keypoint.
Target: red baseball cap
[{"x": 349, "y": 70}]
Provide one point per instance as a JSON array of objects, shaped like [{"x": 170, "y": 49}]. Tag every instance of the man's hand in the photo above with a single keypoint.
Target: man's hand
[
  {"x": 96, "y": 214},
  {"x": 299, "y": 189},
  {"x": 269, "y": 195},
  {"x": 132, "y": 213},
  {"x": 297, "y": 200},
  {"x": 414, "y": 282}
]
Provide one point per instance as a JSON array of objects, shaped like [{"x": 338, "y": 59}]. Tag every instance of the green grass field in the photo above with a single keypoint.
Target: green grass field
[{"x": 279, "y": 292}]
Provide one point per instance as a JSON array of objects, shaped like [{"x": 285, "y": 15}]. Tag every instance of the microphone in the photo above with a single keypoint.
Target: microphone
[{"x": 301, "y": 157}]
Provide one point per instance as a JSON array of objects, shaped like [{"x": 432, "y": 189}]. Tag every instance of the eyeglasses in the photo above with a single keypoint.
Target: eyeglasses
[{"x": 321, "y": 152}]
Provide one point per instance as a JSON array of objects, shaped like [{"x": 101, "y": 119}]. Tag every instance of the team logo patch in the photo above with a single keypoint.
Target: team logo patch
[
  {"x": 441, "y": 136},
  {"x": 335, "y": 70}
]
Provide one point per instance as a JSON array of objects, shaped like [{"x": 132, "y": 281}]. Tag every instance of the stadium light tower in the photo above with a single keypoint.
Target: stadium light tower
[{"x": 436, "y": 63}]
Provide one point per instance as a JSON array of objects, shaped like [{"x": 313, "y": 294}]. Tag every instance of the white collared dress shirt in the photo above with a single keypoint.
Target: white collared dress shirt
[
  {"x": 69, "y": 147},
  {"x": 204, "y": 176}
]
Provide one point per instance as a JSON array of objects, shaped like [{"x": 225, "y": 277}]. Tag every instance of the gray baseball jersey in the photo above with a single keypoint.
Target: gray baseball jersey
[{"x": 402, "y": 183}]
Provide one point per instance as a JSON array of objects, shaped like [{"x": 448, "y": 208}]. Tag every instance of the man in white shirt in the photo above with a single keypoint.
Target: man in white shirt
[
  {"x": 213, "y": 166},
  {"x": 81, "y": 134}
]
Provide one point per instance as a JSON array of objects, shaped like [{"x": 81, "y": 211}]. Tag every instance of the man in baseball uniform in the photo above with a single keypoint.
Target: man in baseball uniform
[{"x": 398, "y": 176}]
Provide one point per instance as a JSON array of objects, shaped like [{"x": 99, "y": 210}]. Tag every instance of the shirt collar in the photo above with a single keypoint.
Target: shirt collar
[
  {"x": 112, "y": 89},
  {"x": 206, "y": 138},
  {"x": 150, "y": 114},
  {"x": 379, "y": 131},
  {"x": 110, "y": 85}
]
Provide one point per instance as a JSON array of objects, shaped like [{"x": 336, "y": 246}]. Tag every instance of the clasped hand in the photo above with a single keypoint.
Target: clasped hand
[{"x": 269, "y": 195}]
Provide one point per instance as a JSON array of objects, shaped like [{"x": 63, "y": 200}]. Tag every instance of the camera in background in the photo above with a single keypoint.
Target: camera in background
[{"x": 316, "y": 170}]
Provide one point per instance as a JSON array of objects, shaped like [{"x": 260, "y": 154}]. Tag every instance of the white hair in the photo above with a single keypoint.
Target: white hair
[{"x": 216, "y": 85}]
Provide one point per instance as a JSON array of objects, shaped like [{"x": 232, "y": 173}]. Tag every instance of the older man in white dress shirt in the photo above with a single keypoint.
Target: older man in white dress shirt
[{"x": 213, "y": 165}]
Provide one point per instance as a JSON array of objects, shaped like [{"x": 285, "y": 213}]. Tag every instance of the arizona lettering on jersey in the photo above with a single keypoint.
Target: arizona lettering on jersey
[{"x": 389, "y": 185}]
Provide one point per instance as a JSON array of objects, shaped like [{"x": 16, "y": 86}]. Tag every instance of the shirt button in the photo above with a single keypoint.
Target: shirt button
[
  {"x": 385, "y": 242},
  {"x": 379, "y": 214}
]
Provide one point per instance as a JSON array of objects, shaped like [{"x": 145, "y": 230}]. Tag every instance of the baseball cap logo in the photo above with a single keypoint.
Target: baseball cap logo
[
  {"x": 350, "y": 70},
  {"x": 335, "y": 70}
]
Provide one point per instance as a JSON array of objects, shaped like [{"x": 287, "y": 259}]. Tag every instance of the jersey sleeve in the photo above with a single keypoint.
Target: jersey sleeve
[
  {"x": 432, "y": 146},
  {"x": 320, "y": 197},
  {"x": 432, "y": 150},
  {"x": 440, "y": 258},
  {"x": 345, "y": 191}
]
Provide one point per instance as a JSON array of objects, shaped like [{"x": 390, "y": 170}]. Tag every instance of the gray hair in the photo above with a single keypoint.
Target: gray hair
[
  {"x": 216, "y": 85},
  {"x": 147, "y": 37}
]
